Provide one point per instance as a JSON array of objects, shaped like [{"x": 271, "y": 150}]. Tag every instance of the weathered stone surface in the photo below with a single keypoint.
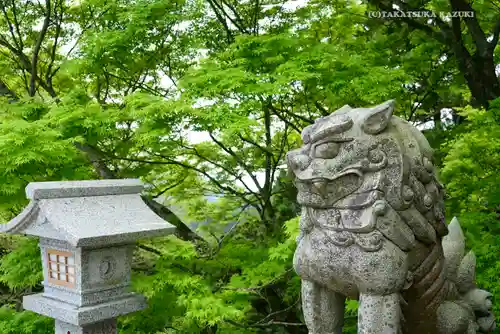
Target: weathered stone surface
[
  {"x": 454, "y": 319},
  {"x": 87, "y": 231},
  {"x": 84, "y": 315},
  {"x": 466, "y": 274},
  {"x": 372, "y": 228},
  {"x": 453, "y": 248},
  {"x": 64, "y": 189},
  {"x": 88, "y": 213}
]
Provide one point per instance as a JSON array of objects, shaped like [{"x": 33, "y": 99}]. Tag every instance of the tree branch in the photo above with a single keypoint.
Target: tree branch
[
  {"x": 227, "y": 170},
  {"x": 321, "y": 108},
  {"x": 182, "y": 231},
  {"x": 97, "y": 158},
  {"x": 150, "y": 249},
  {"x": 16, "y": 24},
  {"x": 288, "y": 112},
  {"x": 438, "y": 35},
  {"x": 170, "y": 161},
  {"x": 26, "y": 66},
  {"x": 220, "y": 7},
  {"x": 284, "y": 120},
  {"x": 222, "y": 20},
  {"x": 225, "y": 236},
  {"x": 135, "y": 84},
  {"x": 496, "y": 34},
  {"x": 478, "y": 35},
  {"x": 256, "y": 17},
  {"x": 38, "y": 45},
  {"x": 181, "y": 180},
  {"x": 268, "y": 324},
  {"x": 269, "y": 168},
  {"x": 11, "y": 26},
  {"x": 59, "y": 20},
  {"x": 247, "y": 140},
  {"x": 270, "y": 315},
  {"x": 281, "y": 152},
  {"x": 238, "y": 160},
  {"x": 237, "y": 17},
  {"x": 429, "y": 90}
]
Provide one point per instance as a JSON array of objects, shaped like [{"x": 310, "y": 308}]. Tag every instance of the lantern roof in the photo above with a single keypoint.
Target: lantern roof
[{"x": 88, "y": 213}]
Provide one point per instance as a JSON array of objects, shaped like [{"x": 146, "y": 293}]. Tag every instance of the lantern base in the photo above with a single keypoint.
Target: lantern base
[
  {"x": 103, "y": 327},
  {"x": 87, "y": 315}
]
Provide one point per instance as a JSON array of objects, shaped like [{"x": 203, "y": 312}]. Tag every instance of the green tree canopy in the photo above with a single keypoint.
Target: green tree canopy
[{"x": 202, "y": 100}]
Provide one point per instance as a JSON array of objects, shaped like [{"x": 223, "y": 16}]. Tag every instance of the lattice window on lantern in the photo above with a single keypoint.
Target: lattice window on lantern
[{"x": 61, "y": 268}]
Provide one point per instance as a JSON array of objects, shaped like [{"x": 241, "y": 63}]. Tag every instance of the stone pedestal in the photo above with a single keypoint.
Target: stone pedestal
[
  {"x": 103, "y": 327},
  {"x": 93, "y": 319}
]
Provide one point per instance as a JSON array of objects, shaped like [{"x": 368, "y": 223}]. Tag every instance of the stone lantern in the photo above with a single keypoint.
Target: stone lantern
[{"x": 87, "y": 232}]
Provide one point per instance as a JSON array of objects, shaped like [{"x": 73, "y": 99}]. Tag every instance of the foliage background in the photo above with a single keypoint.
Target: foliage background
[{"x": 202, "y": 99}]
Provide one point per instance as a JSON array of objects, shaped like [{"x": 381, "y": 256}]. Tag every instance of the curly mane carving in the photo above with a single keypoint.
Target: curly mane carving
[{"x": 373, "y": 228}]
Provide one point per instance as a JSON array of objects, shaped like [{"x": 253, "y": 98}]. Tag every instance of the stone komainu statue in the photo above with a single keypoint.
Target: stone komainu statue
[{"x": 373, "y": 229}]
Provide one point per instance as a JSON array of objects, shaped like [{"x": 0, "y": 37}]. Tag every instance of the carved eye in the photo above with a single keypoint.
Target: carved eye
[{"x": 327, "y": 150}]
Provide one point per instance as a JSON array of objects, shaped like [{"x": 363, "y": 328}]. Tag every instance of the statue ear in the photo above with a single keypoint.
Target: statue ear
[{"x": 378, "y": 118}]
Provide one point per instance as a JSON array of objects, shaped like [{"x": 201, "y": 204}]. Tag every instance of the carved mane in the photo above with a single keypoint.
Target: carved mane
[{"x": 373, "y": 208}]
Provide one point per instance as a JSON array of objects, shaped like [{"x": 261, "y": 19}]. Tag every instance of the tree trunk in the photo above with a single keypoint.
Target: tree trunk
[
  {"x": 477, "y": 68},
  {"x": 482, "y": 80}
]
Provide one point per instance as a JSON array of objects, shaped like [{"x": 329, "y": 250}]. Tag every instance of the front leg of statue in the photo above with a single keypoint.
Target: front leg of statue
[
  {"x": 379, "y": 314},
  {"x": 323, "y": 309}
]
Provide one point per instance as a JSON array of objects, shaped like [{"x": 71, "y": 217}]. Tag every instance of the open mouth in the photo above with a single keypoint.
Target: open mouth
[
  {"x": 355, "y": 210},
  {"x": 330, "y": 191}
]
